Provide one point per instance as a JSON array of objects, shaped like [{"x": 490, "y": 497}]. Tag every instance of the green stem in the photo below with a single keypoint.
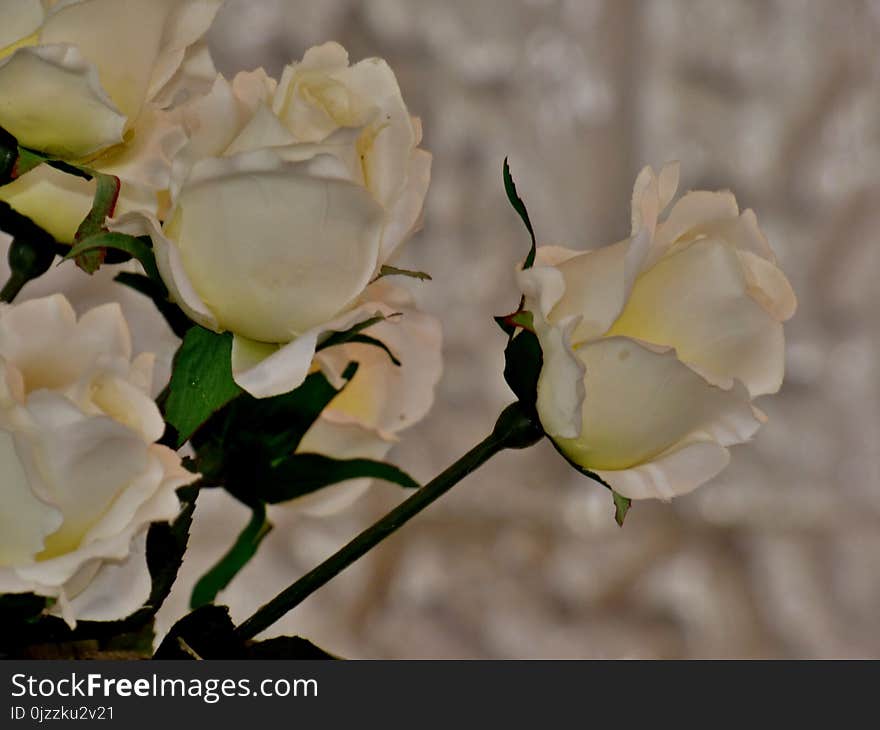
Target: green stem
[
  {"x": 13, "y": 286},
  {"x": 515, "y": 429}
]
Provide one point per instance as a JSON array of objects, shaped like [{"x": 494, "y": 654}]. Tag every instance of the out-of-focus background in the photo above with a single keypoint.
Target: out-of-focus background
[{"x": 778, "y": 100}]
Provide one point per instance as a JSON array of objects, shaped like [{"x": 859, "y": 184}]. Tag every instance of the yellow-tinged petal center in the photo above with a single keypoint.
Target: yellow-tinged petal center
[
  {"x": 639, "y": 403},
  {"x": 30, "y": 40}
]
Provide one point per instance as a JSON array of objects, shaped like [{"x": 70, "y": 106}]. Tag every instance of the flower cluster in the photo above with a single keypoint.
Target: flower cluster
[{"x": 225, "y": 318}]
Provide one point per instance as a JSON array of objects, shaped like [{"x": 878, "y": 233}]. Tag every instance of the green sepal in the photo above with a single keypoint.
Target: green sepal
[
  {"x": 354, "y": 334},
  {"x": 621, "y": 507},
  {"x": 523, "y": 360},
  {"x": 621, "y": 503},
  {"x": 89, "y": 259},
  {"x": 520, "y": 208},
  {"x": 131, "y": 247}
]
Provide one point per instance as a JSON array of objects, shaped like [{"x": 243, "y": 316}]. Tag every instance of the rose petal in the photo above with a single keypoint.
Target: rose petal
[
  {"x": 383, "y": 396},
  {"x": 21, "y": 18},
  {"x": 561, "y": 382},
  {"x": 696, "y": 300},
  {"x": 641, "y": 403},
  {"x": 266, "y": 370},
  {"x": 32, "y": 333},
  {"x": 594, "y": 290},
  {"x": 116, "y": 590},
  {"x": 72, "y": 459},
  {"x": 677, "y": 472},
  {"x": 313, "y": 246},
  {"x": 25, "y": 520},
  {"x": 51, "y": 100},
  {"x": 184, "y": 62},
  {"x": 146, "y": 159},
  {"x": 54, "y": 200},
  {"x": 386, "y": 147},
  {"x": 122, "y": 38},
  {"x": 404, "y": 217},
  {"x": 768, "y": 286}
]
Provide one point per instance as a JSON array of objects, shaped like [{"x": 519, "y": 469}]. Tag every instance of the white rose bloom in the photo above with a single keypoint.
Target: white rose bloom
[
  {"x": 82, "y": 475},
  {"x": 654, "y": 347},
  {"x": 149, "y": 330},
  {"x": 287, "y": 202},
  {"x": 86, "y": 81},
  {"x": 382, "y": 399}
]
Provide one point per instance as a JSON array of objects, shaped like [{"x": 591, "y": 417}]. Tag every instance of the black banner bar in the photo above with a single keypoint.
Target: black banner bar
[{"x": 409, "y": 694}]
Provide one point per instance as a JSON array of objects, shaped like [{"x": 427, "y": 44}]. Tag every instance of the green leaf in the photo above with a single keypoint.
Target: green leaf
[
  {"x": 394, "y": 271},
  {"x": 201, "y": 381},
  {"x": 244, "y": 548},
  {"x": 621, "y": 507},
  {"x": 206, "y": 633},
  {"x": 136, "y": 248},
  {"x": 239, "y": 445},
  {"x": 275, "y": 426},
  {"x": 523, "y": 362},
  {"x": 301, "y": 474},
  {"x": 166, "y": 546},
  {"x": 520, "y": 207}
]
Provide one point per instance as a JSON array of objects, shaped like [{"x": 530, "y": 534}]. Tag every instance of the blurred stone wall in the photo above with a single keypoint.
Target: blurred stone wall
[{"x": 778, "y": 100}]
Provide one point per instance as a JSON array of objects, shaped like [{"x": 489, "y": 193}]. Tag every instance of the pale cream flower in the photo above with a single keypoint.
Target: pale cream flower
[
  {"x": 654, "y": 347},
  {"x": 87, "y": 81},
  {"x": 288, "y": 200},
  {"x": 82, "y": 475}
]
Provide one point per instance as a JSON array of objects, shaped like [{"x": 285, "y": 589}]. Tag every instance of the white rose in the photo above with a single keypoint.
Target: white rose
[
  {"x": 82, "y": 475},
  {"x": 655, "y": 346},
  {"x": 149, "y": 330},
  {"x": 287, "y": 203},
  {"x": 85, "y": 81},
  {"x": 365, "y": 420}
]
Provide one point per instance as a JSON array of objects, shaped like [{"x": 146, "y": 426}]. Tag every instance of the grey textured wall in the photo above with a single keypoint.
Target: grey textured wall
[{"x": 777, "y": 100}]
